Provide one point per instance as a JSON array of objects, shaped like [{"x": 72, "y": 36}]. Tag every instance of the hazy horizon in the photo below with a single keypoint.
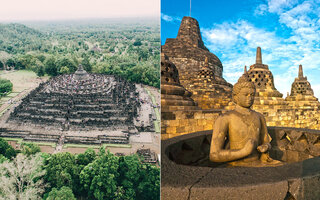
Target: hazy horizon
[
  {"x": 60, "y": 10},
  {"x": 110, "y": 19}
]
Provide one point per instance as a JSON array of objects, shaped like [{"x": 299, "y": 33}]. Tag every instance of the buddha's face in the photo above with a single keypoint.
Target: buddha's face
[{"x": 245, "y": 97}]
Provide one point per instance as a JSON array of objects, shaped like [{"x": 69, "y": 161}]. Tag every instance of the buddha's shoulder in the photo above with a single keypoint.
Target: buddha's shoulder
[
  {"x": 257, "y": 113},
  {"x": 228, "y": 114},
  {"x": 235, "y": 113}
]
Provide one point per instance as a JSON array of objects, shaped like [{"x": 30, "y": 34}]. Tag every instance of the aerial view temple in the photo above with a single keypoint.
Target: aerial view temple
[
  {"x": 208, "y": 124},
  {"x": 83, "y": 108},
  {"x": 80, "y": 101}
]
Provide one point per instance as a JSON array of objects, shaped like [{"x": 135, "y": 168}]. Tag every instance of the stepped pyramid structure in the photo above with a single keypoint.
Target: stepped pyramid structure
[
  {"x": 80, "y": 101},
  {"x": 200, "y": 71}
]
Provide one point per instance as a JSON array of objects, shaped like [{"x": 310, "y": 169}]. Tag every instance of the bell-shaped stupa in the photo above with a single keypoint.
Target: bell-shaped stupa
[
  {"x": 301, "y": 92},
  {"x": 197, "y": 66},
  {"x": 173, "y": 95}
]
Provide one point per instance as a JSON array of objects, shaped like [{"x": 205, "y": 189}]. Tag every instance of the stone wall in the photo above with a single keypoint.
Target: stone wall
[{"x": 176, "y": 123}]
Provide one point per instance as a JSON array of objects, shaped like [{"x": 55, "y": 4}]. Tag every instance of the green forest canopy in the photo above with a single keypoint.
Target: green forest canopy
[{"x": 129, "y": 49}]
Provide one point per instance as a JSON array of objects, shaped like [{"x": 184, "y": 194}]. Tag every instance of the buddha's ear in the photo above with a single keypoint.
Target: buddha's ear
[{"x": 235, "y": 98}]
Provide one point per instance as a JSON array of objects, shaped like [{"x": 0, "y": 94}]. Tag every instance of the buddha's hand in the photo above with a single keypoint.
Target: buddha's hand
[
  {"x": 249, "y": 147},
  {"x": 263, "y": 148}
]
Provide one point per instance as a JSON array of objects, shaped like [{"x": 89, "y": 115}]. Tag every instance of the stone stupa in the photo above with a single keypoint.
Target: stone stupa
[
  {"x": 209, "y": 90},
  {"x": 81, "y": 74},
  {"x": 173, "y": 95},
  {"x": 302, "y": 96},
  {"x": 195, "y": 63},
  {"x": 267, "y": 97}
]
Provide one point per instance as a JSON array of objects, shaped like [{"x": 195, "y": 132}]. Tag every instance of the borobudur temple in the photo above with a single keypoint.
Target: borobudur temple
[{"x": 79, "y": 101}]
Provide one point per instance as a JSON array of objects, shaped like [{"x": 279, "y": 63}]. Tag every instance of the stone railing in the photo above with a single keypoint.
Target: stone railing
[{"x": 187, "y": 173}]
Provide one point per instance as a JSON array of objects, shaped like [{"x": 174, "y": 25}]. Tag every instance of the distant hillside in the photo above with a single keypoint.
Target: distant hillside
[
  {"x": 127, "y": 49},
  {"x": 17, "y": 38}
]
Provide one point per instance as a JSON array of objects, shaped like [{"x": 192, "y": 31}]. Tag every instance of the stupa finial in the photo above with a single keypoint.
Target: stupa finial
[
  {"x": 300, "y": 75},
  {"x": 258, "y": 56}
]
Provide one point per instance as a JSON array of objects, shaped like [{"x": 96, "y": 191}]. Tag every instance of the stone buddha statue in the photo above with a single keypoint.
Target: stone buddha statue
[{"x": 240, "y": 136}]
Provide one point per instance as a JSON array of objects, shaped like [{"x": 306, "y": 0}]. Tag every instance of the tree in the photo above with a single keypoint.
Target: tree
[
  {"x": 28, "y": 61},
  {"x": 99, "y": 178},
  {"x": 86, "y": 64},
  {"x": 11, "y": 62},
  {"x": 83, "y": 159},
  {"x": 50, "y": 66},
  {"x": 64, "y": 70},
  {"x": 41, "y": 57},
  {"x": 67, "y": 62},
  {"x": 129, "y": 170},
  {"x": 65, "y": 193},
  {"x": 137, "y": 42},
  {"x": 4, "y": 56},
  {"x": 6, "y": 150},
  {"x": 5, "y": 86},
  {"x": 22, "y": 178},
  {"x": 3, "y": 159},
  {"x": 40, "y": 71},
  {"x": 149, "y": 183},
  {"x": 30, "y": 148},
  {"x": 61, "y": 170}
]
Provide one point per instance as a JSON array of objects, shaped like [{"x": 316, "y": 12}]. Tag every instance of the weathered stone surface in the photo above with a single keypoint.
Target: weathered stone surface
[
  {"x": 299, "y": 110},
  {"x": 78, "y": 101},
  {"x": 299, "y": 180},
  {"x": 199, "y": 70},
  {"x": 266, "y": 191},
  {"x": 301, "y": 85},
  {"x": 172, "y": 93}
]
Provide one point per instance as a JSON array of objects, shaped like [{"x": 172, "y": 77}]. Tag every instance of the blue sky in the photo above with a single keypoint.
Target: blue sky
[{"x": 288, "y": 32}]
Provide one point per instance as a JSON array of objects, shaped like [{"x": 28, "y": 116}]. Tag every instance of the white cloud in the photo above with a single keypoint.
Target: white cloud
[
  {"x": 241, "y": 33},
  {"x": 261, "y": 9},
  {"x": 170, "y": 18},
  {"x": 277, "y": 6},
  {"x": 235, "y": 43}
]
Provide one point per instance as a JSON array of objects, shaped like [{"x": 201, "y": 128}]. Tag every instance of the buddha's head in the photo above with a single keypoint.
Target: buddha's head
[{"x": 243, "y": 91}]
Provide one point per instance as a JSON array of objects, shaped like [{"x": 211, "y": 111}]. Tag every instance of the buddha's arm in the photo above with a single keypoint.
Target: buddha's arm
[
  {"x": 217, "y": 153},
  {"x": 264, "y": 136}
]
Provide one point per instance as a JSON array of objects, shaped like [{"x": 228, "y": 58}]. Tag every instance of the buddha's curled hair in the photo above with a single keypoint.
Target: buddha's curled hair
[{"x": 243, "y": 82}]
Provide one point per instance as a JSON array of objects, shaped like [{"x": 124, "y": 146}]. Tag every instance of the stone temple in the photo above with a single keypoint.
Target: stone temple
[
  {"x": 301, "y": 89},
  {"x": 267, "y": 97},
  {"x": 81, "y": 108},
  {"x": 187, "y": 128},
  {"x": 80, "y": 101},
  {"x": 200, "y": 72},
  {"x": 173, "y": 95}
]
